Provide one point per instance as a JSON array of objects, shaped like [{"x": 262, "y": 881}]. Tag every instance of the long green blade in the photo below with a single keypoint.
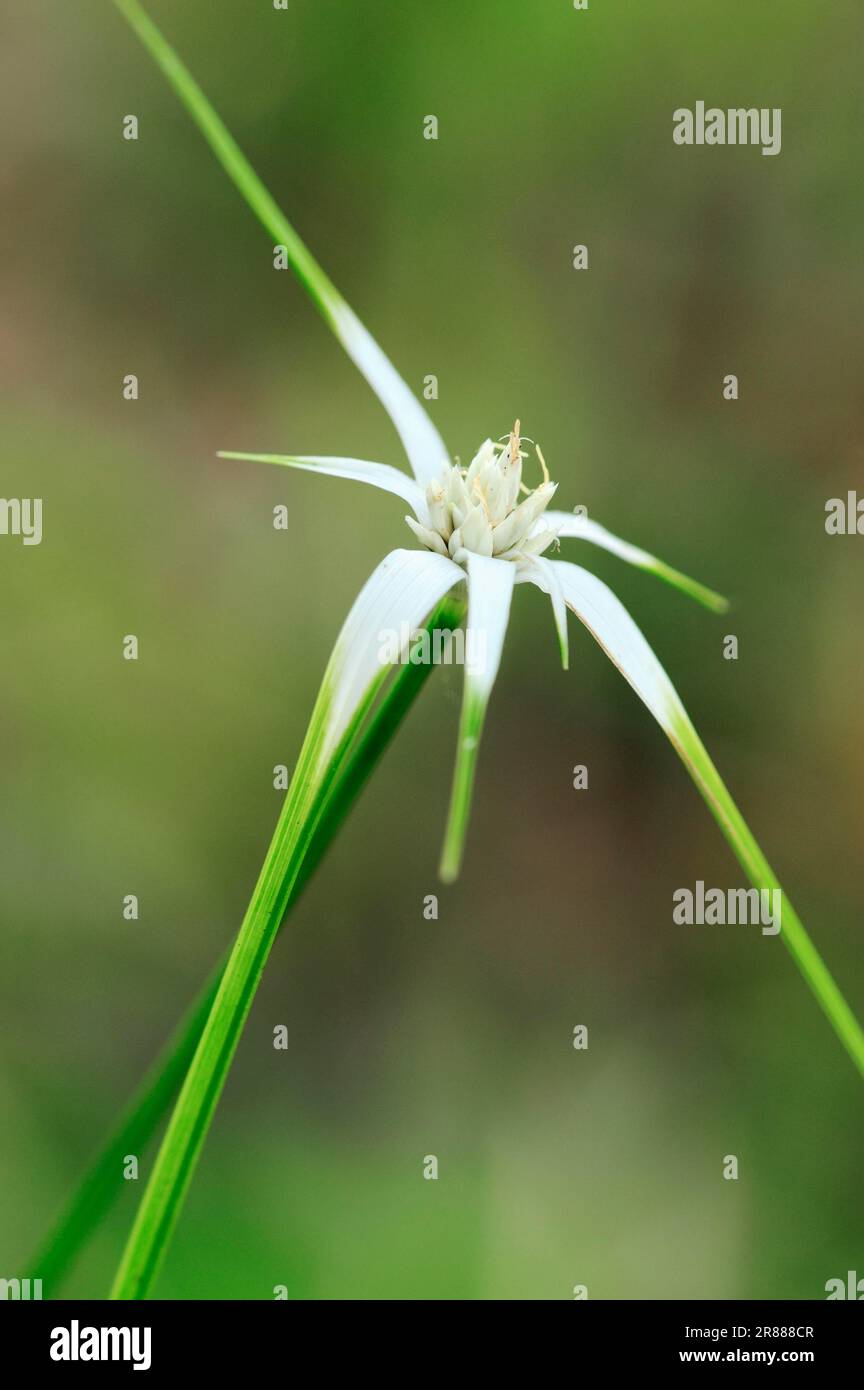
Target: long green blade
[
  {"x": 199, "y": 1095},
  {"x": 608, "y": 620},
  {"x": 582, "y": 528},
  {"x": 147, "y": 1107},
  {"x": 401, "y": 592},
  {"x": 423, "y": 444},
  {"x": 749, "y": 855}
]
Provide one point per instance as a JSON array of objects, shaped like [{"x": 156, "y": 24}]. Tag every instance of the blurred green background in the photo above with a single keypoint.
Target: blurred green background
[{"x": 453, "y": 1037}]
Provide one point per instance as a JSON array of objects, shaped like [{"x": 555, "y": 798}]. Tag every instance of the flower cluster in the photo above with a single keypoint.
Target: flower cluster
[{"x": 476, "y": 510}]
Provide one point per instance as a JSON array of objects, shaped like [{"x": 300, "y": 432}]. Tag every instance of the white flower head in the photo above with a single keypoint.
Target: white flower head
[
  {"x": 477, "y": 510},
  {"x": 485, "y": 526}
]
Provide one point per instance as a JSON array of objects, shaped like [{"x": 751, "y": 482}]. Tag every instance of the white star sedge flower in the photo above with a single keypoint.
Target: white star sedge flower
[
  {"x": 475, "y": 525},
  {"x": 472, "y": 527}
]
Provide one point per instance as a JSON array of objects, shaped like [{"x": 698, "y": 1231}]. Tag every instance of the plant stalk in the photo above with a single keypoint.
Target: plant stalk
[{"x": 147, "y": 1107}]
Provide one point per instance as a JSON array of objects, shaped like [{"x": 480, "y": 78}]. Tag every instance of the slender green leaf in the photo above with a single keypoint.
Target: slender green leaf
[
  {"x": 403, "y": 589},
  {"x": 582, "y": 528},
  {"x": 423, "y": 444},
  {"x": 142, "y": 1115},
  {"x": 615, "y": 630},
  {"x": 379, "y": 475}
]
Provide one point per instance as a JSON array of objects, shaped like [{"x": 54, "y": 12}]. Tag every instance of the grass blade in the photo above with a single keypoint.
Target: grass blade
[
  {"x": 131, "y": 1133},
  {"x": 610, "y": 623},
  {"x": 379, "y": 475},
  {"x": 422, "y": 442},
  {"x": 147, "y": 1108},
  {"x": 582, "y": 528},
  {"x": 404, "y": 587}
]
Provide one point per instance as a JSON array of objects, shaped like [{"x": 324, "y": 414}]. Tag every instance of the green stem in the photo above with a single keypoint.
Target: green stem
[
  {"x": 471, "y": 720},
  {"x": 298, "y": 823},
  {"x": 131, "y": 1134},
  {"x": 148, "y": 1106}
]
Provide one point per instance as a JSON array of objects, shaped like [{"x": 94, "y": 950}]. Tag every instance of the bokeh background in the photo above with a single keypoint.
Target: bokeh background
[{"x": 453, "y": 1037}]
